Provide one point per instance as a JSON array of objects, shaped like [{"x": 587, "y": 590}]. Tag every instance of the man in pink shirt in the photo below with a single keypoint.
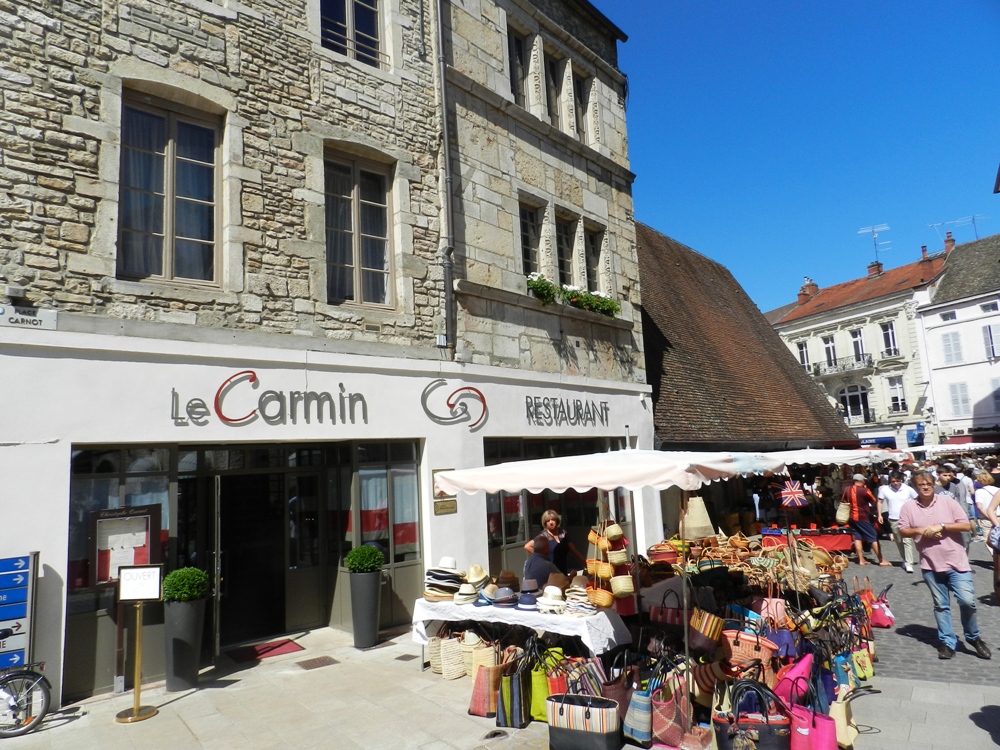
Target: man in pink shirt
[{"x": 936, "y": 522}]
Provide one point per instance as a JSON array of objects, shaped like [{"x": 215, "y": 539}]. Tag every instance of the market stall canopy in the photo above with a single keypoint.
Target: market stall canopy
[
  {"x": 831, "y": 456},
  {"x": 631, "y": 469},
  {"x": 955, "y": 448}
]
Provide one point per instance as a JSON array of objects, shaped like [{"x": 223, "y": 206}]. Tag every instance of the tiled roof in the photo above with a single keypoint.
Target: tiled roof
[
  {"x": 864, "y": 289},
  {"x": 720, "y": 374},
  {"x": 971, "y": 269}
]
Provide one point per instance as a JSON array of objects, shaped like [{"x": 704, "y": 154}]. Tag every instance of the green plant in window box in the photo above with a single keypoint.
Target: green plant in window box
[
  {"x": 597, "y": 302},
  {"x": 364, "y": 559},
  {"x": 543, "y": 288},
  {"x": 185, "y": 585}
]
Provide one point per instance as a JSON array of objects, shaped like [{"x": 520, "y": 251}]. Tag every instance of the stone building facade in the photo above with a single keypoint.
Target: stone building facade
[{"x": 248, "y": 296}]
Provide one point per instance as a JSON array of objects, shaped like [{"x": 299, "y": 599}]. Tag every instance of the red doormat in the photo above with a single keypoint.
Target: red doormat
[{"x": 262, "y": 650}]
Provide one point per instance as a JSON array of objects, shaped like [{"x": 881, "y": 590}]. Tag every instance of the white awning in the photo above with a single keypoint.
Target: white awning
[{"x": 631, "y": 469}]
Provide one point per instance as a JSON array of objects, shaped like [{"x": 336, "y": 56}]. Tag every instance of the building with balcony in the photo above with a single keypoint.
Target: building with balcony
[
  {"x": 860, "y": 342},
  {"x": 958, "y": 318},
  {"x": 263, "y": 270}
]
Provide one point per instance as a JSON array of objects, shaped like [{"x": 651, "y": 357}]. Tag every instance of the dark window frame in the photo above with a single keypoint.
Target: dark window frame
[
  {"x": 530, "y": 230},
  {"x": 172, "y": 115},
  {"x": 357, "y": 168},
  {"x": 340, "y": 33}
]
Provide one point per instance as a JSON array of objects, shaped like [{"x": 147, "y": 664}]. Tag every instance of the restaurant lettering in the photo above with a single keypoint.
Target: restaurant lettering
[
  {"x": 556, "y": 412},
  {"x": 234, "y": 405}
]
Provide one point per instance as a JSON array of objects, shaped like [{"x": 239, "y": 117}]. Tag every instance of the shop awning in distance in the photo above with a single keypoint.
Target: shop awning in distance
[{"x": 636, "y": 469}]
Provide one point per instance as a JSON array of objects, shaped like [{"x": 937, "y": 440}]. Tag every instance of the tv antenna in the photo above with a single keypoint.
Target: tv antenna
[
  {"x": 874, "y": 231},
  {"x": 963, "y": 222}
]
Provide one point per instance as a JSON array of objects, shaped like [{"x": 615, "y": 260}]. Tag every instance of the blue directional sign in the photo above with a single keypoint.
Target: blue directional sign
[
  {"x": 17, "y": 584},
  {"x": 12, "y": 596},
  {"x": 15, "y": 564},
  {"x": 11, "y": 580},
  {"x": 14, "y": 611},
  {"x": 12, "y": 659}
]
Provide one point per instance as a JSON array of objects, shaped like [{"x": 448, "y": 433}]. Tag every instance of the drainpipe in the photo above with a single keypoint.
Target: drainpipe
[{"x": 447, "y": 243}]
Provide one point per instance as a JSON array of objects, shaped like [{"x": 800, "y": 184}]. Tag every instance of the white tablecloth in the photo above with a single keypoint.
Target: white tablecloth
[{"x": 600, "y": 632}]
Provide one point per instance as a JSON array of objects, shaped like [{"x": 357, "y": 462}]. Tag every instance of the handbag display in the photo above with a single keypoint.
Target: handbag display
[
  {"x": 670, "y": 616},
  {"x": 762, "y": 721},
  {"x": 789, "y": 676},
  {"x": 485, "y": 687},
  {"x": 704, "y": 631},
  {"x": 840, "y": 712},
  {"x": 583, "y": 722},
  {"x": 771, "y": 606},
  {"x": 811, "y": 729},
  {"x": 514, "y": 695},
  {"x": 623, "y": 679},
  {"x": 638, "y": 724},
  {"x": 881, "y": 616},
  {"x": 671, "y": 710},
  {"x": 741, "y": 647}
]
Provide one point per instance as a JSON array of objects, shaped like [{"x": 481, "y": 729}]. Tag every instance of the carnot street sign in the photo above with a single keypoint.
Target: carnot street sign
[{"x": 14, "y": 643}]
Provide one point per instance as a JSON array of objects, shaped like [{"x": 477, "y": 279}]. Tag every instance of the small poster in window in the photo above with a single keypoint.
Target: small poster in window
[{"x": 123, "y": 537}]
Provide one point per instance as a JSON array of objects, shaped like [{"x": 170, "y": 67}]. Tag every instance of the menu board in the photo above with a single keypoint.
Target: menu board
[{"x": 123, "y": 537}]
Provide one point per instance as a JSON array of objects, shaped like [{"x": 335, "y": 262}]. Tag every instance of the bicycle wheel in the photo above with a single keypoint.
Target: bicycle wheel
[{"x": 24, "y": 701}]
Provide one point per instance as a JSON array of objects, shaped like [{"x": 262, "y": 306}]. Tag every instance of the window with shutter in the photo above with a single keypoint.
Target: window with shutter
[
  {"x": 991, "y": 340},
  {"x": 960, "y": 406},
  {"x": 995, "y": 386},
  {"x": 952, "y": 346}
]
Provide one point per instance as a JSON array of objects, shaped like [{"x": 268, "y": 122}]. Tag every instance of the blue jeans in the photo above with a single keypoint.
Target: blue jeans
[{"x": 960, "y": 584}]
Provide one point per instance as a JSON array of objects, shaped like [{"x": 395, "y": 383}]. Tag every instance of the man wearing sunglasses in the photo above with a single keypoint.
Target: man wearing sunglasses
[{"x": 936, "y": 523}]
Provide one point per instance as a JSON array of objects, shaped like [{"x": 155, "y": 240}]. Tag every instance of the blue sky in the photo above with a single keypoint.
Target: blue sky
[{"x": 765, "y": 134}]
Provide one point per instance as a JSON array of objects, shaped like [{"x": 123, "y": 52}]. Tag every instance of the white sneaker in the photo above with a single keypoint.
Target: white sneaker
[{"x": 907, "y": 567}]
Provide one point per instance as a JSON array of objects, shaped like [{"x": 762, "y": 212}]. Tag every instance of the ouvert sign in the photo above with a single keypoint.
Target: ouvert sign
[{"x": 234, "y": 405}]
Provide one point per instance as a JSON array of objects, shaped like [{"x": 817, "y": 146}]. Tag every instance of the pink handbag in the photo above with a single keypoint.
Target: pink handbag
[
  {"x": 810, "y": 730},
  {"x": 798, "y": 671},
  {"x": 771, "y": 606}
]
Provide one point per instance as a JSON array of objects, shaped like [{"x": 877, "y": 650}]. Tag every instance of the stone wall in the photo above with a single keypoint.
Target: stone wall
[
  {"x": 505, "y": 154},
  {"x": 284, "y": 99},
  {"x": 283, "y": 102}
]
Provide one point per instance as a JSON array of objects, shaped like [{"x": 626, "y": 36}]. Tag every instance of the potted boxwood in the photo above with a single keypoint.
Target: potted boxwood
[
  {"x": 365, "y": 565},
  {"x": 184, "y": 592}
]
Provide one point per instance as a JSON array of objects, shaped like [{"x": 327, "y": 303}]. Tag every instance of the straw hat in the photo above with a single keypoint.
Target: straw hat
[
  {"x": 466, "y": 594},
  {"x": 558, "y": 580},
  {"x": 477, "y": 576},
  {"x": 448, "y": 563}
]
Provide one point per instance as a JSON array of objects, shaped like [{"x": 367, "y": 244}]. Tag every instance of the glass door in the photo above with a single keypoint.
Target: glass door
[{"x": 305, "y": 603}]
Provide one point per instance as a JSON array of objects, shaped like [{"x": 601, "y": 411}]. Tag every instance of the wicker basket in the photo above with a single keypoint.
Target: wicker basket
[
  {"x": 483, "y": 656},
  {"x": 614, "y": 532},
  {"x": 593, "y": 536},
  {"x": 617, "y": 556},
  {"x": 600, "y": 598},
  {"x": 739, "y": 541},
  {"x": 470, "y": 642},
  {"x": 434, "y": 653},
  {"x": 603, "y": 543},
  {"x": 452, "y": 663},
  {"x": 604, "y": 570},
  {"x": 740, "y": 647},
  {"x": 592, "y": 564},
  {"x": 622, "y": 586}
]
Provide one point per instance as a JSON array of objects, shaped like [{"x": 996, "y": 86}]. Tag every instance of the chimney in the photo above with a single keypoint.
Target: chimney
[
  {"x": 923, "y": 252},
  {"x": 949, "y": 243},
  {"x": 874, "y": 269},
  {"x": 809, "y": 288}
]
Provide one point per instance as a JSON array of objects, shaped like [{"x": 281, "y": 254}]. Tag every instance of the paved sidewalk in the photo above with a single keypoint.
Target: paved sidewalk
[{"x": 379, "y": 698}]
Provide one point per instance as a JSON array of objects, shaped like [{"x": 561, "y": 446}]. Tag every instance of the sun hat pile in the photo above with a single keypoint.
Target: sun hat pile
[{"x": 443, "y": 582}]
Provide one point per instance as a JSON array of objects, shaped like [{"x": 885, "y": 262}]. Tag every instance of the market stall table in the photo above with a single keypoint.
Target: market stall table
[
  {"x": 599, "y": 632},
  {"x": 831, "y": 541}
]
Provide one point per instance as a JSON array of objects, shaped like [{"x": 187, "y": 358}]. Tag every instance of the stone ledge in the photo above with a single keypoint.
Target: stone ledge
[{"x": 517, "y": 299}]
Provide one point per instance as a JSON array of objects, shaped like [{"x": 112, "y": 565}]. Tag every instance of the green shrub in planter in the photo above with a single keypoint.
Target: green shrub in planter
[
  {"x": 185, "y": 585},
  {"x": 364, "y": 559}
]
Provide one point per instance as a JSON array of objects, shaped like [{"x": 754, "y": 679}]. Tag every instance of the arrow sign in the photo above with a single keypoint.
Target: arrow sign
[
  {"x": 12, "y": 659},
  {"x": 15, "y": 564},
  {"x": 13, "y": 580},
  {"x": 16, "y": 625}
]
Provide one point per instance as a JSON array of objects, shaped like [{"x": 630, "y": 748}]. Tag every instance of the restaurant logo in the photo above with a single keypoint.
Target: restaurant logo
[
  {"x": 235, "y": 405},
  {"x": 556, "y": 412},
  {"x": 465, "y": 404}
]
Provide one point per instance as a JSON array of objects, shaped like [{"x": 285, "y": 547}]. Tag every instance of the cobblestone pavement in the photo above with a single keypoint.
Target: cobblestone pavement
[{"x": 908, "y": 650}]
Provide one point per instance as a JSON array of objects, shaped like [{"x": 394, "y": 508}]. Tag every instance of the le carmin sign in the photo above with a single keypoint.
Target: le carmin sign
[{"x": 238, "y": 402}]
